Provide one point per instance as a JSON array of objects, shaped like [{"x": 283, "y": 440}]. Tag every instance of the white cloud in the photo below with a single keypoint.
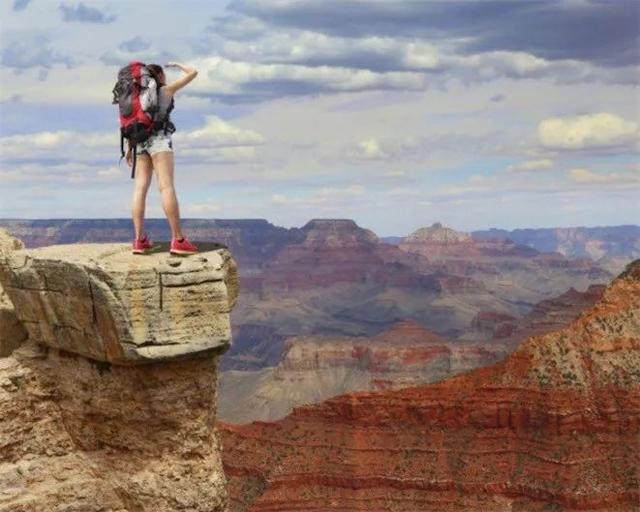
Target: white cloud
[
  {"x": 376, "y": 149},
  {"x": 219, "y": 133},
  {"x": 219, "y": 76},
  {"x": 370, "y": 148},
  {"x": 217, "y": 140},
  {"x": 602, "y": 130},
  {"x": 532, "y": 165},
  {"x": 587, "y": 177}
]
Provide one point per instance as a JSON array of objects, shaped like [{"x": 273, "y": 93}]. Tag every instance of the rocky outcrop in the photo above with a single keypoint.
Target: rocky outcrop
[
  {"x": 440, "y": 242},
  {"x": 555, "y": 426},
  {"x": 546, "y": 316},
  {"x": 110, "y": 405},
  {"x": 314, "y": 368},
  {"x": 578, "y": 242},
  {"x": 514, "y": 272},
  {"x": 492, "y": 325},
  {"x": 102, "y": 302},
  {"x": 12, "y": 331},
  {"x": 333, "y": 251}
]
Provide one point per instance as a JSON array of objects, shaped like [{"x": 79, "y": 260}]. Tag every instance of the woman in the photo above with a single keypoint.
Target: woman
[{"x": 156, "y": 153}]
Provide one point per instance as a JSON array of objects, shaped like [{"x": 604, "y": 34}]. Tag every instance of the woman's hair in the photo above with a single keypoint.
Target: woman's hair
[{"x": 156, "y": 71}]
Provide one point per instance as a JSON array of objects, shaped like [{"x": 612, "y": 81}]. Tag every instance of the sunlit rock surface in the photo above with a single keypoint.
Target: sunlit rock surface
[
  {"x": 102, "y": 302},
  {"x": 84, "y": 427}
]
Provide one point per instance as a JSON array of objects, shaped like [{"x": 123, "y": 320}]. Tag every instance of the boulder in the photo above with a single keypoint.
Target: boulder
[{"x": 105, "y": 303}]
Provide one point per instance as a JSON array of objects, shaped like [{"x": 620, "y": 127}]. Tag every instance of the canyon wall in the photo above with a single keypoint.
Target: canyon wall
[
  {"x": 555, "y": 426},
  {"x": 314, "y": 368},
  {"x": 110, "y": 405}
]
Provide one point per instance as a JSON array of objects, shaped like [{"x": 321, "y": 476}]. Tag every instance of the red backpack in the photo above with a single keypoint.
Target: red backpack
[{"x": 136, "y": 93}]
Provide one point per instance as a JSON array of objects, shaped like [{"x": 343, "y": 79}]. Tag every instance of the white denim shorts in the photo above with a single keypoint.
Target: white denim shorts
[{"x": 155, "y": 144}]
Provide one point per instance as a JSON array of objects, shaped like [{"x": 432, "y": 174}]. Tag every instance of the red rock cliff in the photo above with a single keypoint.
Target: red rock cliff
[{"x": 555, "y": 426}]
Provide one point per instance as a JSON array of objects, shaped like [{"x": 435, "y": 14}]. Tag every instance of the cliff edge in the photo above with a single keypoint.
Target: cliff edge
[
  {"x": 110, "y": 404},
  {"x": 554, "y": 426}
]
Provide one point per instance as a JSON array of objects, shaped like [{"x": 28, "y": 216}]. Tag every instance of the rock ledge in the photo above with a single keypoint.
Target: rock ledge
[{"x": 102, "y": 302}]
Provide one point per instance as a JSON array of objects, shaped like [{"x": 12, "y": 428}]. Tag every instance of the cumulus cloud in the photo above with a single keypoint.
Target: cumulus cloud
[
  {"x": 316, "y": 49},
  {"x": 219, "y": 133},
  {"x": 83, "y": 14},
  {"x": 553, "y": 30},
  {"x": 293, "y": 62},
  {"x": 238, "y": 82},
  {"x": 216, "y": 141},
  {"x": 601, "y": 130}
]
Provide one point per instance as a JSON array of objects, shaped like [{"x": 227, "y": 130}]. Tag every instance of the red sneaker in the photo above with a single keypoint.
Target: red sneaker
[
  {"x": 182, "y": 247},
  {"x": 142, "y": 245}
]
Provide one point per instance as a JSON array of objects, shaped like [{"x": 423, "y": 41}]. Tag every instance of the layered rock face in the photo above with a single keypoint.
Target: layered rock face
[
  {"x": 511, "y": 271},
  {"x": 100, "y": 301},
  {"x": 332, "y": 251},
  {"x": 110, "y": 405},
  {"x": 440, "y": 242},
  {"x": 545, "y": 316},
  {"x": 555, "y": 426},
  {"x": 595, "y": 243},
  {"x": 314, "y": 368},
  {"x": 12, "y": 331}
]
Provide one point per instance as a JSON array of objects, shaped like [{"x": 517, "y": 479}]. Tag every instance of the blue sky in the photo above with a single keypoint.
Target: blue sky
[{"x": 398, "y": 114}]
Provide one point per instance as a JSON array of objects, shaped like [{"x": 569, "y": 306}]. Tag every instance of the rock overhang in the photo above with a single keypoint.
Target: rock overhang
[{"x": 101, "y": 301}]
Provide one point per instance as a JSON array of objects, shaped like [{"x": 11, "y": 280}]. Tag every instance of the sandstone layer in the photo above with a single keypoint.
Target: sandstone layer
[
  {"x": 84, "y": 436},
  {"x": 512, "y": 271},
  {"x": 314, "y": 368},
  {"x": 555, "y": 426},
  {"x": 12, "y": 331},
  {"x": 317, "y": 367},
  {"x": 102, "y": 302},
  {"x": 85, "y": 428}
]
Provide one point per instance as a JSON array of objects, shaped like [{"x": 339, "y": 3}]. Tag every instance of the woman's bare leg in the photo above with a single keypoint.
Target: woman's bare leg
[
  {"x": 163, "y": 166},
  {"x": 144, "y": 171}
]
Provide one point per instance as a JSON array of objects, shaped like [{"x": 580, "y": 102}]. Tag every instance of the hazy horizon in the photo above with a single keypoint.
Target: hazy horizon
[{"x": 380, "y": 235}]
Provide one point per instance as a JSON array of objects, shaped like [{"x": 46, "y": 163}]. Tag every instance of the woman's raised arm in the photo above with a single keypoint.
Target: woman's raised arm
[{"x": 190, "y": 74}]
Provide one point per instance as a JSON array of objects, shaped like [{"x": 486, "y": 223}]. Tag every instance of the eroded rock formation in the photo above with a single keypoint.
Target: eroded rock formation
[
  {"x": 111, "y": 403},
  {"x": 12, "y": 331},
  {"x": 555, "y": 426},
  {"x": 314, "y": 368},
  {"x": 102, "y": 302}
]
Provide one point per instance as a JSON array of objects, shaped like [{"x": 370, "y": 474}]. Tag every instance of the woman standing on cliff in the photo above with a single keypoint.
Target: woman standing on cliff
[{"x": 156, "y": 153}]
